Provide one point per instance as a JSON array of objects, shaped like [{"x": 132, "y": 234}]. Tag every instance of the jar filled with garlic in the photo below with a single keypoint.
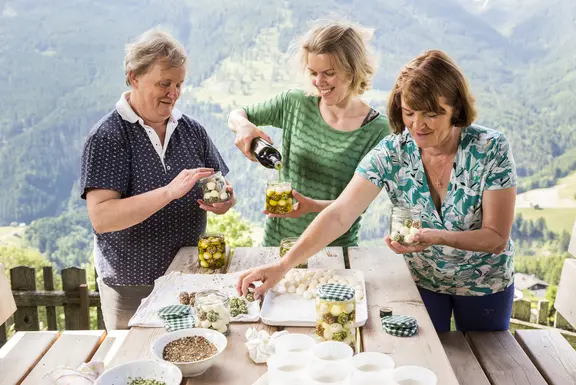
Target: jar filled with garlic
[
  {"x": 336, "y": 313},
  {"x": 214, "y": 188},
  {"x": 212, "y": 311},
  {"x": 405, "y": 222}
]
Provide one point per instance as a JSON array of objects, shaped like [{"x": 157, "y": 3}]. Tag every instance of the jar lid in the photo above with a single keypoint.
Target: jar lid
[{"x": 335, "y": 292}]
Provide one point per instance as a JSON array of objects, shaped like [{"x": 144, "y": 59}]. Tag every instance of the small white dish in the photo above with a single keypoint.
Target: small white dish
[
  {"x": 150, "y": 369},
  {"x": 294, "y": 343},
  {"x": 416, "y": 375},
  {"x": 192, "y": 369}
]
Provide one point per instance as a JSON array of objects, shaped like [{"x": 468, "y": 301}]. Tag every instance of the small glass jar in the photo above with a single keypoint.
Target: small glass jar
[
  {"x": 212, "y": 250},
  {"x": 214, "y": 188},
  {"x": 285, "y": 245},
  {"x": 336, "y": 313},
  {"x": 212, "y": 311},
  {"x": 279, "y": 198},
  {"x": 405, "y": 222}
]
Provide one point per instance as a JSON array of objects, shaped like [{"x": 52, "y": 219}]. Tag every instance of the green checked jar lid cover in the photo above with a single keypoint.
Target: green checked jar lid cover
[{"x": 335, "y": 292}]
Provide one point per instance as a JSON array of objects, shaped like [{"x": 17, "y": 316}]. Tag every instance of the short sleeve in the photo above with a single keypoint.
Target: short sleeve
[
  {"x": 501, "y": 168},
  {"x": 376, "y": 165},
  {"x": 269, "y": 112},
  {"x": 105, "y": 164}
]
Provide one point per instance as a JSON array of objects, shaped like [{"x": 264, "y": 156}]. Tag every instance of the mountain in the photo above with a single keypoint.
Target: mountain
[{"x": 62, "y": 71}]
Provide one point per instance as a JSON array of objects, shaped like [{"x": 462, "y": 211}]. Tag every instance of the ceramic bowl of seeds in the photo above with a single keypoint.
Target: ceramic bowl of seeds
[
  {"x": 148, "y": 372},
  {"x": 193, "y": 351}
]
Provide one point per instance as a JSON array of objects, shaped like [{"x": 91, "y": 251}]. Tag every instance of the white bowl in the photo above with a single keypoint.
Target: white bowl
[
  {"x": 150, "y": 369},
  {"x": 191, "y": 369}
]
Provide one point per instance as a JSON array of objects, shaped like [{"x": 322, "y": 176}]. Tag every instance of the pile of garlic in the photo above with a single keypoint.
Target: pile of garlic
[{"x": 304, "y": 282}]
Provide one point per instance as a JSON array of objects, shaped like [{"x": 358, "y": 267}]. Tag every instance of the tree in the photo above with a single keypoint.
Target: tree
[{"x": 237, "y": 230}]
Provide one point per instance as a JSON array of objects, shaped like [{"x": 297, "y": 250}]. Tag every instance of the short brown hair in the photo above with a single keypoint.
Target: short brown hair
[
  {"x": 346, "y": 44},
  {"x": 422, "y": 81},
  {"x": 150, "y": 47}
]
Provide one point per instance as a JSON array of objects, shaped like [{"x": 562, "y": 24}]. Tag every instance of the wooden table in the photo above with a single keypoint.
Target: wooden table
[{"x": 388, "y": 284}]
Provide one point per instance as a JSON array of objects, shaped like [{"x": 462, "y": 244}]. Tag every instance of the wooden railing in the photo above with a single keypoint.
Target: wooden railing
[{"x": 75, "y": 298}]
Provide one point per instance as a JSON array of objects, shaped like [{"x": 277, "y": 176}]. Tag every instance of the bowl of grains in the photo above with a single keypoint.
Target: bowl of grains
[
  {"x": 148, "y": 372},
  {"x": 193, "y": 351}
]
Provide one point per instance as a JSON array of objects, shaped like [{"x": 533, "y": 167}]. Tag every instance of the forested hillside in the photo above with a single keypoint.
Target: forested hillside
[{"x": 62, "y": 70}]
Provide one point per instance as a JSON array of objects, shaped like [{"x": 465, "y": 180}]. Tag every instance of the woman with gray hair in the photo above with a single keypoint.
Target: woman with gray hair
[{"x": 139, "y": 168}]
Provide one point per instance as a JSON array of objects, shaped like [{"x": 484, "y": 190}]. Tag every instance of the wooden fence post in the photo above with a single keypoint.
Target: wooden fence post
[
  {"x": 543, "y": 306},
  {"x": 24, "y": 279},
  {"x": 51, "y": 319},
  {"x": 72, "y": 278},
  {"x": 99, "y": 315},
  {"x": 521, "y": 310},
  {"x": 562, "y": 323}
]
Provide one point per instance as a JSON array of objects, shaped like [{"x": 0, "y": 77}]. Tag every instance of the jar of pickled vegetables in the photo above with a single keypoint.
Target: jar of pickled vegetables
[
  {"x": 212, "y": 250},
  {"x": 212, "y": 311},
  {"x": 279, "y": 198},
  {"x": 214, "y": 188},
  {"x": 405, "y": 222},
  {"x": 285, "y": 246},
  {"x": 336, "y": 313}
]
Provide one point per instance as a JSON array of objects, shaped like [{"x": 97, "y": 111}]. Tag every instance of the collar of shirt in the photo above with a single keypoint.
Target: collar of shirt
[{"x": 128, "y": 114}]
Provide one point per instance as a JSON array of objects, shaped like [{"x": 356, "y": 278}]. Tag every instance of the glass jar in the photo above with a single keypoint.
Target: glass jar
[
  {"x": 211, "y": 250},
  {"x": 212, "y": 311},
  {"x": 214, "y": 188},
  {"x": 285, "y": 245},
  {"x": 405, "y": 222},
  {"x": 336, "y": 313},
  {"x": 279, "y": 197}
]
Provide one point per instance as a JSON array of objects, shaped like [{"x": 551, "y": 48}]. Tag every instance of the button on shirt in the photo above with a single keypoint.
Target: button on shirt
[
  {"x": 483, "y": 162},
  {"x": 123, "y": 154}
]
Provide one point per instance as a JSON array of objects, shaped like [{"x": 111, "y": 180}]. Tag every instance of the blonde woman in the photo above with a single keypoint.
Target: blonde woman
[{"x": 324, "y": 134}]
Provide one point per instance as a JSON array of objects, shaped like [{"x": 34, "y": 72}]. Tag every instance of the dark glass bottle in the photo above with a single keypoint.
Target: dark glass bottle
[{"x": 266, "y": 154}]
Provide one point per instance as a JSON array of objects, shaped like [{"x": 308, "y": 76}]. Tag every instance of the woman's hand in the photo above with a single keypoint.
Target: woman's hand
[
  {"x": 183, "y": 182},
  {"x": 424, "y": 239},
  {"x": 221, "y": 207},
  {"x": 244, "y": 136},
  {"x": 303, "y": 206},
  {"x": 269, "y": 275}
]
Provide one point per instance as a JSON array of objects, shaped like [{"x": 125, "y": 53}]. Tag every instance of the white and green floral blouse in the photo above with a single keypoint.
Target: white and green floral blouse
[{"x": 483, "y": 162}]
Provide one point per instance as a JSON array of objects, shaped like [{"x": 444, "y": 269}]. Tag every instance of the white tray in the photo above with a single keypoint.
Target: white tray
[{"x": 294, "y": 310}]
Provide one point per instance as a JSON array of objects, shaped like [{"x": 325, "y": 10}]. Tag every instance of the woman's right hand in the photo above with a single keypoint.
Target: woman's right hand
[
  {"x": 185, "y": 181},
  {"x": 269, "y": 275},
  {"x": 244, "y": 136}
]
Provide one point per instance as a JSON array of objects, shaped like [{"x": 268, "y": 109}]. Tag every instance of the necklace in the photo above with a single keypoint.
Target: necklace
[{"x": 439, "y": 183}]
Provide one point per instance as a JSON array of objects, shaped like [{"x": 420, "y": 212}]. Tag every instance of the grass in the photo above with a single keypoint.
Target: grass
[
  {"x": 557, "y": 220},
  {"x": 568, "y": 192},
  {"x": 12, "y": 236}
]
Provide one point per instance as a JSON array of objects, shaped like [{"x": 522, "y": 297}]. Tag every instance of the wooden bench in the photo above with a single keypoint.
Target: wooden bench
[
  {"x": 554, "y": 357},
  {"x": 463, "y": 361},
  {"x": 483, "y": 358},
  {"x": 21, "y": 354},
  {"x": 70, "y": 350}
]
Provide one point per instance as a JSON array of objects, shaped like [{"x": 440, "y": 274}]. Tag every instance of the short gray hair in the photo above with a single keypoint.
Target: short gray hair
[{"x": 148, "y": 48}]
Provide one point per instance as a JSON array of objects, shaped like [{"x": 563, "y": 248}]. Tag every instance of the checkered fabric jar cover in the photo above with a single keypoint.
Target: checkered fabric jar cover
[
  {"x": 335, "y": 292},
  {"x": 400, "y": 325}
]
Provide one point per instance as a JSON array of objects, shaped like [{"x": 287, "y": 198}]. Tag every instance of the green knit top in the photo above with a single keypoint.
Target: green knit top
[{"x": 318, "y": 159}]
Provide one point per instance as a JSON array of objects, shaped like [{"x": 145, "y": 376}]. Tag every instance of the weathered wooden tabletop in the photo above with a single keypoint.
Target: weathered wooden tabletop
[{"x": 388, "y": 283}]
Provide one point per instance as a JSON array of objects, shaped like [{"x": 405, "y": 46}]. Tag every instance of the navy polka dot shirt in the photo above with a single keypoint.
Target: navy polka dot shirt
[{"x": 123, "y": 154}]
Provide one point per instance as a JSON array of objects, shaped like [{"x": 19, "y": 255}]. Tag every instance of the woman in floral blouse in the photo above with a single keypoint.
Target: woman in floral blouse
[{"x": 463, "y": 178}]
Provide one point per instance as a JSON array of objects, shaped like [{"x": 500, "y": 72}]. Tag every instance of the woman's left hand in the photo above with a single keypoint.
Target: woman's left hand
[
  {"x": 303, "y": 206},
  {"x": 222, "y": 207},
  {"x": 424, "y": 238}
]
